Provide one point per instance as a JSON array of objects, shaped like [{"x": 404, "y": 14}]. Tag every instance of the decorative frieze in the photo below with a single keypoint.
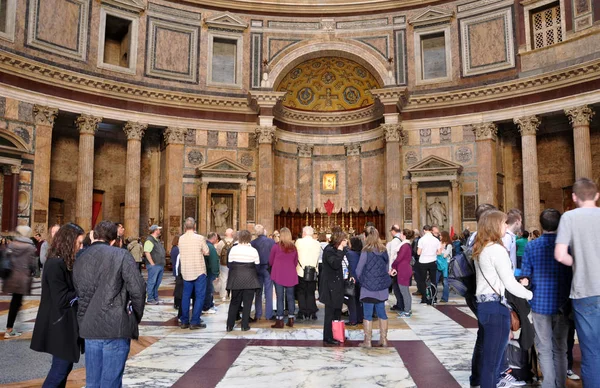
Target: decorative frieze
[
  {"x": 485, "y": 131},
  {"x": 175, "y": 135},
  {"x": 87, "y": 124},
  {"x": 528, "y": 125},
  {"x": 44, "y": 115},
  {"x": 352, "y": 149},
  {"x": 580, "y": 115},
  {"x": 305, "y": 150},
  {"x": 134, "y": 131},
  {"x": 265, "y": 135}
]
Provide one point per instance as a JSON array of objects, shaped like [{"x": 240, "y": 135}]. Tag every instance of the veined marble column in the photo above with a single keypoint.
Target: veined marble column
[
  {"x": 243, "y": 206},
  {"x": 264, "y": 187},
  {"x": 394, "y": 199},
  {"x": 174, "y": 137},
  {"x": 353, "y": 168},
  {"x": 203, "y": 214},
  {"x": 10, "y": 200},
  {"x": 44, "y": 121},
  {"x": 134, "y": 132},
  {"x": 414, "y": 190},
  {"x": 456, "y": 216},
  {"x": 304, "y": 177},
  {"x": 528, "y": 127},
  {"x": 87, "y": 126},
  {"x": 485, "y": 136},
  {"x": 580, "y": 118}
]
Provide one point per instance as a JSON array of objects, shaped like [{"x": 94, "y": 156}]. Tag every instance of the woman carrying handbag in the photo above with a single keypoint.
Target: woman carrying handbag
[
  {"x": 332, "y": 283},
  {"x": 56, "y": 331}
]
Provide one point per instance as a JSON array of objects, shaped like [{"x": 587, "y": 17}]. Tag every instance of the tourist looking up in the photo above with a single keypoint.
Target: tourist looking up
[
  {"x": 309, "y": 251},
  {"x": 110, "y": 306},
  {"x": 550, "y": 282},
  {"x": 373, "y": 272},
  {"x": 135, "y": 247},
  {"x": 428, "y": 247},
  {"x": 243, "y": 279},
  {"x": 56, "y": 331},
  {"x": 23, "y": 264},
  {"x": 402, "y": 270},
  {"x": 263, "y": 245},
  {"x": 579, "y": 231},
  {"x": 192, "y": 249},
  {"x": 155, "y": 255},
  {"x": 283, "y": 261},
  {"x": 331, "y": 291},
  {"x": 212, "y": 273},
  {"x": 494, "y": 276}
]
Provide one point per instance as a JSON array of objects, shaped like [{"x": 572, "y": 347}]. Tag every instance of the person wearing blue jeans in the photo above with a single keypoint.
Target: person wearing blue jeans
[
  {"x": 264, "y": 277},
  {"x": 155, "y": 274},
  {"x": 446, "y": 292},
  {"x": 58, "y": 374},
  {"x": 198, "y": 287},
  {"x": 494, "y": 320},
  {"x": 105, "y": 362},
  {"x": 155, "y": 255},
  {"x": 289, "y": 295},
  {"x": 213, "y": 265},
  {"x": 587, "y": 324}
]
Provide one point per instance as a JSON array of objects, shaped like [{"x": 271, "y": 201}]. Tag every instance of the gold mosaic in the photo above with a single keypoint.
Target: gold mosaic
[{"x": 328, "y": 85}]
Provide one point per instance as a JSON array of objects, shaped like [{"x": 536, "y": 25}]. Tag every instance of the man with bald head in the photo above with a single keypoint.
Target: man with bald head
[
  {"x": 309, "y": 251},
  {"x": 263, "y": 245}
]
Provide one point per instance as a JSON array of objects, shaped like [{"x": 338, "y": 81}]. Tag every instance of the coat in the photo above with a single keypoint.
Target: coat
[
  {"x": 283, "y": 266},
  {"x": 332, "y": 278},
  {"x": 56, "y": 331},
  {"x": 23, "y": 260},
  {"x": 402, "y": 264},
  {"x": 108, "y": 281},
  {"x": 242, "y": 276}
]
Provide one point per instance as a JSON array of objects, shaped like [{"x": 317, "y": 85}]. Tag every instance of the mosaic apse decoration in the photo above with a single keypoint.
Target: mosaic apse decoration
[{"x": 328, "y": 84}]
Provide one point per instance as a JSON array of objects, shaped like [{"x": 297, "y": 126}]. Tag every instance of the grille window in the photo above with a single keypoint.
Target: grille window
[{"x": 546, "y": 26}]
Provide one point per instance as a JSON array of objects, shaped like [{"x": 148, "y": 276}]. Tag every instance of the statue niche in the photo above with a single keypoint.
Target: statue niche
[
  {"x": 437, "y": 212},
  {"x": 221, "y": 212}
]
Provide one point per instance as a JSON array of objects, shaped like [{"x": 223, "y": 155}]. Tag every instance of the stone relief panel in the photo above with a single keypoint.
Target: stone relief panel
[
  {"x": 66, "y": 35},
  {"x": 469, "y": 206},
  {"x": 25, "y": 112},
  {"x": 445, "y": 135},
  {"x": 487, "y": 42},
  {"x": 463, "y": 154},
  {"x": 408, "y": 209},
  {"x": 232, "y": 139},
  {"x": 25, "y": 132},
  {"x": 173, "y": 50},
  {"x": 582, "y": 14},
  {"x": 425, "y": 135},
  {"x": 213, "y": 139},
  {"x": 190, "y": 137},
  {"x": 247, "y": 160},
  {"x": 411, "y": 158},
  {"x": 194, "y": 158}
]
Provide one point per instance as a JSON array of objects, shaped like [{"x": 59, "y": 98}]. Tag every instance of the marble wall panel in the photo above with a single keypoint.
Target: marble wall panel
[
  {"x": 109, "y": 176},
  {"x": 372, "y": 145},
  {"x": 275, "y": 45},
  {"x": 248, "y": 159},
  {"x": 339, "y": 198},
  {"x": 285, "y": 183},
  {"x": 243, "y": 139},
  {"x": 201, "y": 137},
  {"x": 213, "y": 155},
  {"x": 63, "y": 174},
  {"x": 373, "y": 178},
  {"x": 329, "y": 150},
  {"x": 442, "y": 152},
  {"x": 288, "y": 148},
  {"x": 556, "y": 167},
  {"x": 222, "y": 139}
]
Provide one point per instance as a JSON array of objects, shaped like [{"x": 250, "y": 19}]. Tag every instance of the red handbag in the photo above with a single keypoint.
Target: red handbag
[{"x": 339, "y": 330}]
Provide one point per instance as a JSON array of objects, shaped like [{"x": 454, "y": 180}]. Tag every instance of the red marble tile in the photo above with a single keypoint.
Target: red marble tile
[
  {"x": 463, "y": 319},
  {"x": 423, "y": 366}
]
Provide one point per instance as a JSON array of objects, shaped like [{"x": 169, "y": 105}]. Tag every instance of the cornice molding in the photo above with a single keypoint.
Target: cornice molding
[{"x": 321, "y": 119}]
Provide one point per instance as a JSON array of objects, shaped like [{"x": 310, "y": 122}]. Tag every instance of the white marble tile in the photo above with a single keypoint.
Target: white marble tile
[
  {"x": 150, "y": 377},
  {"x": 172, "y": 354}
]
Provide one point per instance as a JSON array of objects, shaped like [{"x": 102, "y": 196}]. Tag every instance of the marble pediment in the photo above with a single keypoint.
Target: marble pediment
[
  {"x": 223, "y": 169},
  {"x": 434, "y": 168},
  {"x": 227, "y": 21},
  {"x": 431, "y": 16},
  {"x": 132, "y": 5}
]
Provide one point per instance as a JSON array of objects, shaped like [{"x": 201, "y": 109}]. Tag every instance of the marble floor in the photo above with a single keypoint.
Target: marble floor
[{"x": 431, "y": 349}]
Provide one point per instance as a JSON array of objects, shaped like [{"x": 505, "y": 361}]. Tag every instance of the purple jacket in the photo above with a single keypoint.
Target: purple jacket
[
  {"x": 402, "y": 265},
  {"x": 283, "y": 266}
]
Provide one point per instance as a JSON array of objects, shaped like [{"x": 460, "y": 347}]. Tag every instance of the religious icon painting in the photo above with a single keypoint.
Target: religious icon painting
[{"x": 329, "y": 182}]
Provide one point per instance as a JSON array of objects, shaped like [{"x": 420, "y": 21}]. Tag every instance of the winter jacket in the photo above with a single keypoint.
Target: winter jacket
[
  {"x": 137, "y": 250},
  {"x": 402, "y": 264},
  {"x": 107, "y": 280},
  {"x": 56, "y": 331},
  {"x": 263, "y": 245},
  {"x": 332, "y": 278},
  {"x": 283, "y": 266},
  {"x": 23, "y": 260},
  {"x": 242, "y": 276}
]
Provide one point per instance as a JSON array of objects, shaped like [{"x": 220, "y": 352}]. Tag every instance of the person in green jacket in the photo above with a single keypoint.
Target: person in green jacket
[
  {"x": 212, "y": 272},
  {"x": 521, "y": 244}
]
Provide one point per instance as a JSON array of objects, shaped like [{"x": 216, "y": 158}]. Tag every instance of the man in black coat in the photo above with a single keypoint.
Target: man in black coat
[{"x": 111, "y": 294}]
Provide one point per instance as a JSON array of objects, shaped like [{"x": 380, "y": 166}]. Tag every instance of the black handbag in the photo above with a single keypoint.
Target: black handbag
[
  {"x": 310, "y": 273},
  {"x": 349, "y": 288}
]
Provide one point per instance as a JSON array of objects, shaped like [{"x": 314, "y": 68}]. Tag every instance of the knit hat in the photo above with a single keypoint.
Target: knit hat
[{"x": 24, "y": 231}]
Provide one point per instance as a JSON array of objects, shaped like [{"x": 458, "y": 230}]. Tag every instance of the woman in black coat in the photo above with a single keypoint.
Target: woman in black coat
[
  {"x": 56, "y": 331},
  {"x": 332, "y": 283}
]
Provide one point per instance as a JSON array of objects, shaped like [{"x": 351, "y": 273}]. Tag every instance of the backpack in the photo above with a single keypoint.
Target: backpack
[
  {"x": 5, "y": 263},
  {"x": 224, "y": 257},
  {"x": 461, "y": 271}
]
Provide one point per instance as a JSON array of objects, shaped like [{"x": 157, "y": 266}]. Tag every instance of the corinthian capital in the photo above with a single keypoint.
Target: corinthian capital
[
  {"x": 392, "y": 132},
  {"x": 134, "y": 131},
  {"x": 528, "y": 125},
  {"x": 352, "y": 149},
  {"x": 265, "y": 135},
  {"x": 305, "y": 150},
  {"x": 485, "y": 131},
  {"x": 580, "y": 115},
  {"x": 175, "y": 135},
  {"x": 44, "y": 115},
  {"x": 87, "y": 124}
]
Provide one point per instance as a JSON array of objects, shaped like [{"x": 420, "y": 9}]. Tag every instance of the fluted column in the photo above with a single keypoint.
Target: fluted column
[
  {"x": 485, "y": 137},
  {"x": 414, "y": 190},
  {"x": 394, "y": 200},
  {"x": 528, "y": 127},
  {"x": 44, "y": 121},
  {"x": 264, "y": 188},
  {"x": 87, "y": 126},
  {"x": 353, "y": 176},
  {"x": 243, "y": 206},
  {"x": 134, "y": 132},
  {"x": 456, "y": 216},
  {"x": 174, "y": 138},
  {"x": 203, "y": 214},
  {"x": 580, "y": 118}
]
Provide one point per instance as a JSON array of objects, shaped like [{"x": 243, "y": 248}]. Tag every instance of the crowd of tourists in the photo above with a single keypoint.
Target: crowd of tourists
[{"x": 529, "y": 294}]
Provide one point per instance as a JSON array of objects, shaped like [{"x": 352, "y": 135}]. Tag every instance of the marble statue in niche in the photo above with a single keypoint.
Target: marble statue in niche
[
  {"x": 437, "y": 213},
  {"x": 220, "y": 212}
]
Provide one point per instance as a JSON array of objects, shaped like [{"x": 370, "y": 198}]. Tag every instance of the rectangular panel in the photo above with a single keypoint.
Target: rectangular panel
[
  {"x": 190, "y": 207},
  {"x": 408, "y": 209},
  {"x": 400, "y": 56},
  {"x": 469, "y": 207},
  {"x": 256, "y": 55},
  {"x": 224, "y": 60},
  {"x": 433, "y": 53},
  {"x": 250, "y": 201}
]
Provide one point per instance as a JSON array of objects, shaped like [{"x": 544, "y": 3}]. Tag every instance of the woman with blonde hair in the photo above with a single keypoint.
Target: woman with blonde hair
[
  {"x": 494, "y": 276},
  {"x": 283, "y": 261},
  {"x": 372, "y": 272}
]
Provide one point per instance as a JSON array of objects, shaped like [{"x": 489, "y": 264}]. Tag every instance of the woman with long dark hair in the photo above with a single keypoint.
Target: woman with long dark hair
[
  {"x": 446, "y": 251},
  {"x": 56, "y": 331},
  {"x": 283, "y": 261},
  {"x": 331, "y": 292}
]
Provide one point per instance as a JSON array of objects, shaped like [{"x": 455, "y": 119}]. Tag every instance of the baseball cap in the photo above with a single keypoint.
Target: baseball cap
[{"x": 154, "y": 227}]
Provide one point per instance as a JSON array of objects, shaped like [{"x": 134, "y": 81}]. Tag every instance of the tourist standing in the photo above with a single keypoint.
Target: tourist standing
[
  {"x": 23, "y": 264},
  {"x": 355, "y": 306},
  {"x": 494, "y": 276},
  {"x": 392, "y": 248},
  {"x": 427, "y": 249},
  {"x": 403, "y": 271},
  {"x": 550, "y": 282},
  {"x": 263, "y": 245},
  {"x": 373, "y": 272},
  {"x": 223, "y": 247},
  {"x": 446, "y": 252},
  {"x": 155, "y": 255},
  {"x": 192, "y": 249},
  {"x": 579, "y": 231},
  {"x": 514, "y": 222},
  {"x": 56, "y": 331},
  {"x": 309, "y": 251},
  {"x": 212, "y": 273},
  {"x": 110, "y": 306},
  {"x": 331, "y": 290},
  {"x": 522, "y": 241},
  {"x": 283, "y": 261},
  {"x": 46, "y": 244},
  {"x": 137, "y": 250},
  {"x": 174, "y": 253}
]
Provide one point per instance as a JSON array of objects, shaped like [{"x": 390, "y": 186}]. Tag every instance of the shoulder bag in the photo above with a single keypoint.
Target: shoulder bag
[
  {"x": 349, "y": 284},
  {"x": 515, "y": 322},
  {"x": 310, "y": 273}
]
